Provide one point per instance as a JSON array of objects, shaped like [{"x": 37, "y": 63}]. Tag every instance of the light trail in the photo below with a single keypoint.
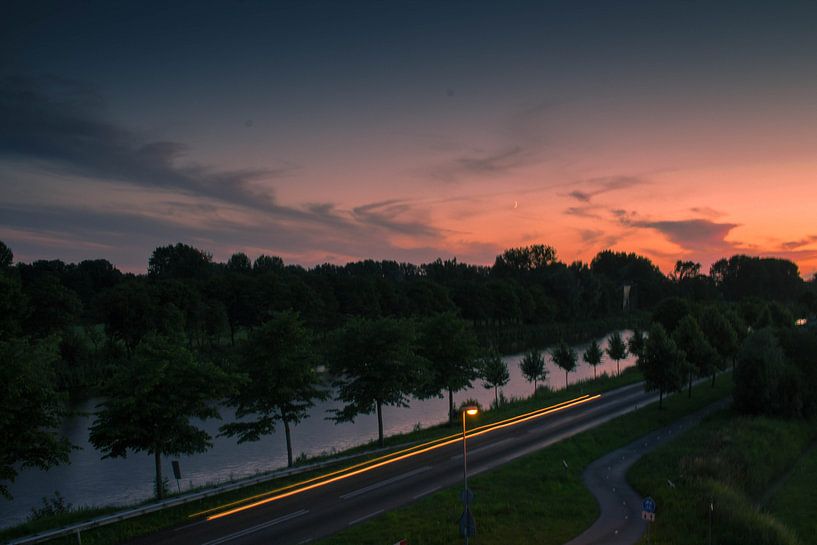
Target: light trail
[
  {"x": 357, "y": 469},
  {"x": 384, "y": 457}
]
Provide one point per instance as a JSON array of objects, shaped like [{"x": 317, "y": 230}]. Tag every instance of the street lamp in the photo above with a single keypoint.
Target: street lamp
[{"x": 467, "y": 524}]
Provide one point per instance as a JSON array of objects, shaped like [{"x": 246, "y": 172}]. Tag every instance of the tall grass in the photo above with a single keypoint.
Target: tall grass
[{"x": 728, "y": 462}]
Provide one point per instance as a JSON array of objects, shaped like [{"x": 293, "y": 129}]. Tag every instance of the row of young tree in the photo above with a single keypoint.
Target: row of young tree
[
  {"x": 162, "y": 347},
  {"x": 772, "y": 356}
]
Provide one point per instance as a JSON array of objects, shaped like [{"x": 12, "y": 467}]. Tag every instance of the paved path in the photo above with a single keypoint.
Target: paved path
[{"x": 620, "y": 521}]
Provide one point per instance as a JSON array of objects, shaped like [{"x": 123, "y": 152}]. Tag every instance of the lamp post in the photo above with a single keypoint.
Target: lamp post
[{"x": 469, "y": 411}]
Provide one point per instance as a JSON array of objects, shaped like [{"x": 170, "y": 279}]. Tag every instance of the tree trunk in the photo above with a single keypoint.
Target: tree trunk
[
  {"x": 566, "y": 380},
  {"x": 594, "y": 372},
  {"x": 160, "y": 485},
  {"x": 380, "y": 423},
  {"x": 713, "y": 379},
  {"x": 618, "y": 367},
  {"x": 534, "y": 387},
  {"x": 451, "y": 414},
  {"x": 496, "y": 396},
  {"x": 289, "y": 442},
  {"x": 660, "y": 399}
]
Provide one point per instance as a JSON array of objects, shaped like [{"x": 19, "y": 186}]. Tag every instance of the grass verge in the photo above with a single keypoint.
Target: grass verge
[
  {"x": 793, "y": 503},
  {"x": 728, "y": 461},
  {"x": 533, "y": 500},
  {"x": 122, "y": 531}
]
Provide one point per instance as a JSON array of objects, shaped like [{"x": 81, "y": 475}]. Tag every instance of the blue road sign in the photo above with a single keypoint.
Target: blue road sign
[{"x": 648, "y": 505}]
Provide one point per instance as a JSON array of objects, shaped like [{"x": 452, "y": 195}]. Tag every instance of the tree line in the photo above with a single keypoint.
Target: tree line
[{"x": 162, "y": 346}]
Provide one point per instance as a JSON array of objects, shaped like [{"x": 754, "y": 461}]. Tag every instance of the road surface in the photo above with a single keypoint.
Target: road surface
[{"x": 324, "y": 510}]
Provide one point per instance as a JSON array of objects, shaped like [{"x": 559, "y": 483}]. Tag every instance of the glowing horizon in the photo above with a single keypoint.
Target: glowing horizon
[{"x": 321, "y": 133}]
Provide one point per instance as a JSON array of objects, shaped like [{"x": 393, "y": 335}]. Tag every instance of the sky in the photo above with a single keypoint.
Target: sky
[{"x": 336, "y": 131}]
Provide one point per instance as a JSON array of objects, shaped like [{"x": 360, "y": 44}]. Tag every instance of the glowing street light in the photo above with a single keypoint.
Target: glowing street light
[{"x": 467, "y": 523}]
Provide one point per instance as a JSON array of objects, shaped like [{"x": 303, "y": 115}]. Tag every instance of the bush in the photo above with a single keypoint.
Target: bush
[{"x": 55, "y": 505}]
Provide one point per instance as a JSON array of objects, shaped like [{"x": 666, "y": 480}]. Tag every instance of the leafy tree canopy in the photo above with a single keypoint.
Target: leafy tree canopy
[
  {"x": 31, "y": 409},
  {"x": 150, "y": 404}
]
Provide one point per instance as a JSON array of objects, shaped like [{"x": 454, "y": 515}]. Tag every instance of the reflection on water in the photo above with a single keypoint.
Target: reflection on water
[{"x": 88, "y": 480}]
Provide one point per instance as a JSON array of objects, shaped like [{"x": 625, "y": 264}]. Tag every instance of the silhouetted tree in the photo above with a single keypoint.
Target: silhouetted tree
[
  {"x": 149, "y": 405},
  {"x": 593, "y": 356},
  {"x": 564, "y": 357},
  {"x": 759, "y": 373},
  {"x": 670, "y": 311},
  {"x": 494, "y": 372},
  {"x": 30, "y": 409},
  {"x": 525, "y": 259},
  {"x": 721, "y": 335},
  {"x": 178, "y": 262},
  {"x": 533, "y": 367},
  {"x": 239, "y": 262},
  {"x": 6, "y": 256},
  {"x": 662, "y": 363},
  {"x": 282, "y": 385},
  {"x": 701, "y": 358},
  {"x": 450, "y": 347},
  {"x": 635, "y": 344},
  {"x": 52, "y": 306},
  {"x": 375, "y": 363},
  {"x": 616, "y": 349}
]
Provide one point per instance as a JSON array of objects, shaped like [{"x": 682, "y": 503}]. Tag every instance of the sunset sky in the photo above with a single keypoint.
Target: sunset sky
[{"x": 335, "y": 131}]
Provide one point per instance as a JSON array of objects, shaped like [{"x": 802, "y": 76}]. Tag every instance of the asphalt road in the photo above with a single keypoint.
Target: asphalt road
[
  {"x": 620, "y": 521},
  {"x": 324, "y": 510}
]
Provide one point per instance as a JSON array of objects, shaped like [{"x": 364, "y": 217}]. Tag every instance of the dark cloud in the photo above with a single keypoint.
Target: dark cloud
[
  {"x": 694, "y": 235},
  {"x": 605, "y": 185},
  {"x": 63, "y": 126},
  {"x": 128, "y": 237},
  {"x": 482, "y": 163},
  {"x": 389, "y": 215},
  {"x": 706, "y": 211},
  {"x": 795, "y": 244},
  {"x": 583, "y": 211}
]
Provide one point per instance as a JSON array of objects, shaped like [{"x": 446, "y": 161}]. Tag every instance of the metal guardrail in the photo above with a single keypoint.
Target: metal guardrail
[{"x": 78, "y": 528}]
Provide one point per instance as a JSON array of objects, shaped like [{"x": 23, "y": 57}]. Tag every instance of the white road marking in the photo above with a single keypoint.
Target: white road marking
[
  {"x": 257, "y": 528},
  {"x": 427, "y": 492},
  {"x": 486, "y": 447},
  {"x": 307, "y": 540},
  {"x": 361, "y": 519},
  {"x": 387, "y": 482},
  {"x": 186, "y": 526}
]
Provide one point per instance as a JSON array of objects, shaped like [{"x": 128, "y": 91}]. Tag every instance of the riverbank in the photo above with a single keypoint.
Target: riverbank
[
  {"x": 171, "y": 516},
  {"x": 89, "y": 480}
]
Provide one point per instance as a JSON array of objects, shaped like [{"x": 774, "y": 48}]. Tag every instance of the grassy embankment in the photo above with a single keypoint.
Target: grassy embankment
[
  {"x": 731, "y": 461},
  {"x": 533, "y": 500},
  {"x": 124, "y": 530},
  {"x": 794, "y": 503}
]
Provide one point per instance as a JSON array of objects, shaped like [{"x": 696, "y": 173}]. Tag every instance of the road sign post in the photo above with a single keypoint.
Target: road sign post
[
  {"x": 648, "y": 513},
  {"x": 177, "y": 472}
]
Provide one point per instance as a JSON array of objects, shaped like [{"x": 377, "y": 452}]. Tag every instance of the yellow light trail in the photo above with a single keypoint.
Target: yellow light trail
[
  {"x": 362, "y": 467},
  {"x": 386, "y": 456}
]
